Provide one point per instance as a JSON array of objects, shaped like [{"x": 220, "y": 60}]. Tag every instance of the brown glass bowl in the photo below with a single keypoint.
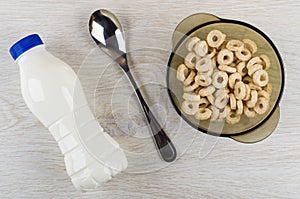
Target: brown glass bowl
[{"x": 234, "y": 30}]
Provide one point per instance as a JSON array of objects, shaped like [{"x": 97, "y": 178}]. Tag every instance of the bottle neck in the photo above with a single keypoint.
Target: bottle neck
[{"x": 31, "y": 52}]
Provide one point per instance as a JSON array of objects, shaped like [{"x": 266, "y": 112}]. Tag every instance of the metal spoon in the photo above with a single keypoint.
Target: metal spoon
[{"x": 106, "y": 31}]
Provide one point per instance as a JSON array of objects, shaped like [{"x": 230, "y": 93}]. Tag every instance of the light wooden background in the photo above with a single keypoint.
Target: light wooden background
[{"x": 31, "y": 165}]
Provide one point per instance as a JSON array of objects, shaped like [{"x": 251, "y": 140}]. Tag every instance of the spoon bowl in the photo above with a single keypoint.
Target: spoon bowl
[{"x": 107, "y": 32}]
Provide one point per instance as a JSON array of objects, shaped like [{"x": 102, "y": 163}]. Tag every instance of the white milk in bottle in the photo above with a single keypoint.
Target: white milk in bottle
[{"x": 53, "y": 93}]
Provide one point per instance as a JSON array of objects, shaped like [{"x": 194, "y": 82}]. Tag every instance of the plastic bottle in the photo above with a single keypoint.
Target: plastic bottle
[{"x": 53, "y": 93}]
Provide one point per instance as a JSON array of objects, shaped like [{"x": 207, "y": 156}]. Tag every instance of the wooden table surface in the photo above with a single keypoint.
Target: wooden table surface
[{"x": 31, "y": 165}]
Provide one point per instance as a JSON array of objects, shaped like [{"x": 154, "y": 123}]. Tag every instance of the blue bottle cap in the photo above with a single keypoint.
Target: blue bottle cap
[{"x": 25, "y": 44}]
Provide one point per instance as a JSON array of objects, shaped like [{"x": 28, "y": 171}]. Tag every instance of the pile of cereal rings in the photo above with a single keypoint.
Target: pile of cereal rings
[{"x": 224, "y": 79}]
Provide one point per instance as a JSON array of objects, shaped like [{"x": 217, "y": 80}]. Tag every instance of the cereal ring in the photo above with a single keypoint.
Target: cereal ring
[
  {"x": 227, "y": 90},
  {"x": 254, "y": 87},
  {"x": 221, "y": 91},
  {"x": 201, "y": 48},
  {"x": 197, "y": 90},
  {"x": 203, "y": 103},
  {"x": 233, "y": 64},
  {"x": 190, "y": 108},
  {"x": 215, "y": 113},
  {"x": 235, "y": 45},
  {"x": 254, "y": 60},
  {"x": 266, "y": 62},
  {"x": 233, "y": 78},
  {"x": 225, "y": 57},
  {"x": 241, "y": 68},
  {"x": 243, "y": 55},
  {"x": 237, "y": 61},
  {"x": 191, "y": 43},
  {"x": 251, "y": 45},
  {"x": 189, "y": 79},
  {"x": 249, "y": 112},
  {"x": 203, "y": 80},
  {"x": 268, "y": 88},
  {"x": 261, "y": 78},
  {"x": 221, "y": 101},
  {"x": 207, "y": 73},
  {"x": 190, "y": 60},
  {"x": 214, "y": 63},
  {"x": 232, "y": 101},
  {"x": 215, "y": 38},
  {"x": 207, "y": 91},
  {"x": 203, "y": 114},
  {"x": 191, "y": 97},
  {"x": 264, "y": 94},
  {"x": 182, "y": 72},
  {"x": 211, "y": 99},
  {"x": 227, "y": 69},
  {"x": 252, "y": 69},
  {"x": 248, "y": 93},
  {"x": 232, "y": 118},
  {"x": 220, "y": 79},
  {"x": 211, "y": 52},
  {"x": 239, "y": 90},
  {"x": 253, "y": 99},
  {"x": 240, "y": 108},
  {"x": 204, "y": 64},
  {"x": 191, "y": 88},
  {"x": 224, "y": 112},
  {"x": 261, "y": 106},
  {"x": 247, "y": 80},
  {"x": 223, "y": 46}
]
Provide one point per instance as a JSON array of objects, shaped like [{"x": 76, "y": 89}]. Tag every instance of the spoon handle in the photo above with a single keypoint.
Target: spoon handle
[{"x": 161, "y": 139}]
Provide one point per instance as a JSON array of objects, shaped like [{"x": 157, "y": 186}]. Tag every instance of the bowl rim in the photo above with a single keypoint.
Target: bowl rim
[{"x": 239, "y": 23}]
